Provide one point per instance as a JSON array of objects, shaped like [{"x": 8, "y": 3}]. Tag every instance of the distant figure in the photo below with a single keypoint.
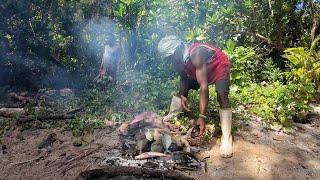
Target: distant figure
[{"x": 109, "y": 62}]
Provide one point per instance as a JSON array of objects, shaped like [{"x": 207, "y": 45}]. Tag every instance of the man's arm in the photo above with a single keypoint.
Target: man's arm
[
  {"x": 199, "y": 61},
  {"x": 184, "y": 90}
]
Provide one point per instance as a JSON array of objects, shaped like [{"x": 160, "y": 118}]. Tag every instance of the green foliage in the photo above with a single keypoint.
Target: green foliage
[
  {"x": 274, "y": 103},
  {"x": 306, "y": 63},
  {"x": 84, "y": 124},
  {"x": 248, "y": 66},
  {"x": 59, "y": 44}
]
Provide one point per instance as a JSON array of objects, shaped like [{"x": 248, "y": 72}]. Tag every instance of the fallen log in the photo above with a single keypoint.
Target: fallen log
[
  {"x": 47, "y": 117},
  {"x": 9, "y": 112},
  {"x": 110, "y": 172},
  {"x": 67, "y": 115},
  {"x": 17, "y": 97}
]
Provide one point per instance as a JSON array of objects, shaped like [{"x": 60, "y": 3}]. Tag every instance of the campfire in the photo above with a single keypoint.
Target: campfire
[{"x": 152, "y": 147}]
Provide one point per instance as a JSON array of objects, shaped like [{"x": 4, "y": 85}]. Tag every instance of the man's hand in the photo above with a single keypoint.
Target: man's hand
[
  {"x": 201, "y": 123},
  {"x": 184, "y": 103}
]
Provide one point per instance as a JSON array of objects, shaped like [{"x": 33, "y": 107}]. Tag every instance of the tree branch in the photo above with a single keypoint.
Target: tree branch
[
  {"x": 256, "y": 35},
  {"x": 270, "y": 6}
]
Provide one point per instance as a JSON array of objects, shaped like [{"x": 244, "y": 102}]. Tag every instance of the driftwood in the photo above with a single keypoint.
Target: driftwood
[{"x": 109, "y": 172}]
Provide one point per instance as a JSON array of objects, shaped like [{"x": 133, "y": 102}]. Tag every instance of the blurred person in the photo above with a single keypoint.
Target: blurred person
[{"x": 109, "y": 62}]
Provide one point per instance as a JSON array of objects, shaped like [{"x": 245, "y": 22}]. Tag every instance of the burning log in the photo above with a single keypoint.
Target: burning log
[
  {"x": 177, "y": 160},
  {"x": 131, "y": 172}
]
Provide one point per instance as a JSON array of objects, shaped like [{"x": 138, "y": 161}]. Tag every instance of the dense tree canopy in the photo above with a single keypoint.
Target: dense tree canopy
[{"x": 59, "y": 43}]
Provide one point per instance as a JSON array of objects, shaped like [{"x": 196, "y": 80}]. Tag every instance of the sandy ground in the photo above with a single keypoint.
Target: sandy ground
[{"x": 258, "y": 154}]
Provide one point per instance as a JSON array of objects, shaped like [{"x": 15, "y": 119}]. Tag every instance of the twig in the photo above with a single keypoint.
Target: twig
[
  {"x": 81, "y": 156},
  {"x": 65, "y": 170},
  {"x": 23, "y": 162}
]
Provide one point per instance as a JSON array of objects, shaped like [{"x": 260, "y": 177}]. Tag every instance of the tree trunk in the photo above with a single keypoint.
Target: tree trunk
[{"x": 315, "y": 21}]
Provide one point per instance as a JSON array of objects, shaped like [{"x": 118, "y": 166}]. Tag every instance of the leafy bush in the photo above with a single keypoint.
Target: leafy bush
[
  {"x": 306, "y": 63},
  {"x": 275, "y": 103},
  {"x": 84, "y": 124},
  {"x": 249, "y": 66}
]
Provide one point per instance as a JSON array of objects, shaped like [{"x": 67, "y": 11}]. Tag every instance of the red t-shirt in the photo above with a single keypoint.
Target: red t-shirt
[{"x": 218, "y": 66}]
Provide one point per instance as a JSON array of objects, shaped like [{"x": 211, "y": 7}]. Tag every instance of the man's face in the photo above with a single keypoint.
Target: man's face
[{"x": 176, "y": 60}]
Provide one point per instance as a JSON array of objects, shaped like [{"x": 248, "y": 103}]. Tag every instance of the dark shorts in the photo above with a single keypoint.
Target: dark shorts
[{"x": 221, "y": 85}]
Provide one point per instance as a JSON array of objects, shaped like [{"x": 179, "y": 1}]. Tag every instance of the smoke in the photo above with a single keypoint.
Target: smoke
[{"x": 93, "y": 34}]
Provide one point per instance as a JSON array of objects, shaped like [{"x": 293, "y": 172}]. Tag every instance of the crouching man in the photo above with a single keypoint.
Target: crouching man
[{"x": 199, "y": 65}]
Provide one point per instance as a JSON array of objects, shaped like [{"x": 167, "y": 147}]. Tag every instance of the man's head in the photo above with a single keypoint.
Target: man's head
[{"x": 173, "y": 48}]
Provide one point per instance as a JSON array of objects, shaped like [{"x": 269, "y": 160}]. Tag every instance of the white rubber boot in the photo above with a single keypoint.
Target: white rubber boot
[{"x": 226, "y": 139}]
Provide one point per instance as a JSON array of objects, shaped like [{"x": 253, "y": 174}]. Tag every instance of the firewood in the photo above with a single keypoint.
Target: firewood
[{"x": 109, "y": 172}]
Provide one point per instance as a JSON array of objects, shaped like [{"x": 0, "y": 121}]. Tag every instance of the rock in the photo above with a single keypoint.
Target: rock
[
  {"x": 202, "y": 155},
  {"x": 186, "y": 145},
  {"x": 149, "y": 135},
  {"x": 4, "y": 148},
  {"x": 166, "y": 142},
  {"x": 141, "y": 145},
  {"x": 20, "y": 136},
  {"x": 176, "y": 139},
  {"x": 256, "y": 133},
  {"x": 109, "y": 123},
  {"x": 123, "y": 129},
  {"x": 173, "y": 147},
  {"x": 24, "y": 93},
  {"x": 77, "y": 143},
  {"x": 315, "y": 108},
  {"x": 66, "y": 92},
  {"x": 156, "y": 147},
  {"x": 156, "y": 135},
  {"x": 275, "y": 149},
  {"x": 48, "y": 142},
  {"x": 50, "y": 92},
  {"x": 278, "y": 137},
  {"x": 87, "y": 138}
]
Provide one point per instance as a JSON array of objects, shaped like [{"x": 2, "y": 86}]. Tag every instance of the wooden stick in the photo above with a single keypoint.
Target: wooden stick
[{"x": 23, "y": 162}]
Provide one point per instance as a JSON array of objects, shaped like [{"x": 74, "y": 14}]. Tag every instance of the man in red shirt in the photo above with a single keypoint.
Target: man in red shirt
[{"x": 199, "y": 65}]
